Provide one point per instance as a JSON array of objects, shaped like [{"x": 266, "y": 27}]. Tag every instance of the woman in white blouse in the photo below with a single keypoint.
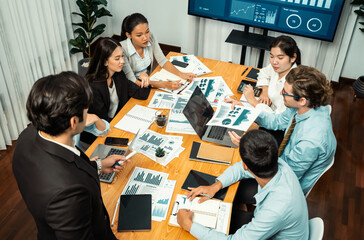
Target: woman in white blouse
[{"x": 284, "y": 55}]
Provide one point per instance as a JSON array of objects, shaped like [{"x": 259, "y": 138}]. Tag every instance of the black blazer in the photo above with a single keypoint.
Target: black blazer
[
  {"x": 100, "y": 105},
  {"x": 60, "y": 189}
]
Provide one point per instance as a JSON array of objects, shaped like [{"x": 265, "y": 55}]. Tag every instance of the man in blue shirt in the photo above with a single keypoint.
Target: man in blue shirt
[
  {"x": 281, "y": 209},
  {"x": 312, "y": 144}
]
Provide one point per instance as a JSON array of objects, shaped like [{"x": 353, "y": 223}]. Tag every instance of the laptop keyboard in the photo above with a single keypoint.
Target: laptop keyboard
[
  {"x": 217, "y": 132},
  {"x": 109, "y": 177}
]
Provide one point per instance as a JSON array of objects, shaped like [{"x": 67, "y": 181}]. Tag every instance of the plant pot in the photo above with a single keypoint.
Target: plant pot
[
  {"x": 82, "y": 69},
  {"x": 160, "y": 160},
  {"x": 358, "y": 87}
]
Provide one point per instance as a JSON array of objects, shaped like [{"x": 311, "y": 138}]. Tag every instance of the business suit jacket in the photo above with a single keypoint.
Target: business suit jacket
[
  {"x": 60, "y": 189},
  {"x": 100, "y": 105}
]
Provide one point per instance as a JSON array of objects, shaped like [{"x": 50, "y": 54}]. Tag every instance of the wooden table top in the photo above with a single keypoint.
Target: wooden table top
[{"x": 177, "y": 169}]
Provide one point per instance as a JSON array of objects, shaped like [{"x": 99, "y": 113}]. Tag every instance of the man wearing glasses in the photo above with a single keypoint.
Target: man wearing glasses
[{"x": 309, "y": 144}]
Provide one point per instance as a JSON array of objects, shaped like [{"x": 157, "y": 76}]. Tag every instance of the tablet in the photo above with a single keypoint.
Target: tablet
[
  {"x": 196, "y": 179},
  {"x": 135, "y": 213}
]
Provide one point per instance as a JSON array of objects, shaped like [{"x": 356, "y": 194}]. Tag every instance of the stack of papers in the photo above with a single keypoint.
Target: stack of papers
[
  {"x": 149, "y": 141},
  {"x": 194, "y": 65},
  {"x": 146, "y": 181}
]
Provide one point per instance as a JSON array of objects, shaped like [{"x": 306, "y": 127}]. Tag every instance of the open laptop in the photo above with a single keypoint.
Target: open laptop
[
  {"x": 102, "y": 151},
  {"x": 198, "y": 112}
]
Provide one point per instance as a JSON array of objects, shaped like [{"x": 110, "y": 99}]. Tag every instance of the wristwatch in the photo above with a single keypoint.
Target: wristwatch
[{"x": 99, "y": 165}]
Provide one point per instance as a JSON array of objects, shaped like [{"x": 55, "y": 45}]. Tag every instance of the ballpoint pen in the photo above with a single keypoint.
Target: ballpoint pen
[
  {"x": 116, "y": 207},
  {"x": 244, "y": 71}
]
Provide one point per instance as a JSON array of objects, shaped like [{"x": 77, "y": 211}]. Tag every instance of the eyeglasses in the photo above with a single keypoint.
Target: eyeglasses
[{"x": 284, "y": 93}]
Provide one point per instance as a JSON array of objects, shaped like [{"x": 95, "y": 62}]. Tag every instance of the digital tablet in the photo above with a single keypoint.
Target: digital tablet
[{"x": 135, "y": 213}]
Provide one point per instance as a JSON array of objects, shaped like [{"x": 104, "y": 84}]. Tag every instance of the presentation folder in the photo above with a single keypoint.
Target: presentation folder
[{"x": 205, "y": 152}]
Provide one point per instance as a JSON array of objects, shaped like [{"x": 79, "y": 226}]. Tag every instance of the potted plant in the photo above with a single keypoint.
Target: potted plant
[
  {"x": 160, "y": 155},
  {"x": 359, "y": 11},
  {"x": 87, "y": 30}
]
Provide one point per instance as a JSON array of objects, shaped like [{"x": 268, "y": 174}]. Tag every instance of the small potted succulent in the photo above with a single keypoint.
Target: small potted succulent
[{"x": 160, "y": 155}]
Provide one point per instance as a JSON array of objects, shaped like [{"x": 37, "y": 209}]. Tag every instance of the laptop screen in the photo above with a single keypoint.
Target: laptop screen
[{"x": 198, "y": 112}]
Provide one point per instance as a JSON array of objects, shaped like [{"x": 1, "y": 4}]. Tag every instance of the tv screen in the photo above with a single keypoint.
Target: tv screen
[{"x": 309, "y": 18}]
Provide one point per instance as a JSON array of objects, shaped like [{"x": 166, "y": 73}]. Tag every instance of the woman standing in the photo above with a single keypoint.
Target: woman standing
[{"x": 140, "y": 47}]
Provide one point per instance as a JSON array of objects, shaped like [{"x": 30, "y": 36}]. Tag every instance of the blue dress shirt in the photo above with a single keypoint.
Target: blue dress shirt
[
  {"x": 92, "y": 129},
  {"x": 311, "y": 147},
  {"x": 281, "y": 211}
]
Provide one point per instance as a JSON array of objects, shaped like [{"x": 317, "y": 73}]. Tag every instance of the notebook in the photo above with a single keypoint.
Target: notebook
[
  {"x": 135, "y": 212},
  {"x": 198, "y": 112},
  {"x": 195, "y": 151},
  {"x": 253, "y": 74}
]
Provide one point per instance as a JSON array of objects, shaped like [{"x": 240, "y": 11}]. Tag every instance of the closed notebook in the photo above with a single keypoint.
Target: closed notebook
[{"x": 216, "y": 153}]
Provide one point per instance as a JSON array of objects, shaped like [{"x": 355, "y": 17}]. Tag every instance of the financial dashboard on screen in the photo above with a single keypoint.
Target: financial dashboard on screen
[{"x": 310, "y": 18}]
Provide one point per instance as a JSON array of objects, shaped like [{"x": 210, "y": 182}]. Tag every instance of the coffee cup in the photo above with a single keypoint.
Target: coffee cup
[{"x": 161, "y": 118}]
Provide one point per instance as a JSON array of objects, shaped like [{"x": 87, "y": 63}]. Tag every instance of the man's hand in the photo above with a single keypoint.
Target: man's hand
[
  {"x": 206, "y": 190},
  {"x": 144, "y": 80},
  {"x": 184, "y": 219},
  {"x": 107, "y": 163},
  {"x": 235, "y": 138},
  {"x": 249, "y": 95}
]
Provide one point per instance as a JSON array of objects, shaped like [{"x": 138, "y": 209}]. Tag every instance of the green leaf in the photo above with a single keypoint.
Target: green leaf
[
  {"x": 359, "y": 12},
  {"x": 99, "y": 29},
  {"x": 362, "y": 29},
  {"x": 82, "y": 6},
  {"x": 84, "y": 26},
  {"x": 81, "y": 32},
  {"x": 102, "y": 2},
  {"x": 102, "y": 12},
  {"x": 75, "y": 50},
  {"x": 362, "y": 23},
  {"x": 356, "y": 2}
]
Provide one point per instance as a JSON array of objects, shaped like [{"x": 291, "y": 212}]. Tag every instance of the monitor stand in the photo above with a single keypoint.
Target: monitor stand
[{"x": 245, "y": 38}]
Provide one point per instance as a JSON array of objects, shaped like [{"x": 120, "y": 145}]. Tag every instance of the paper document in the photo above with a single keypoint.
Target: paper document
[
  {"x": 241, "y": 118},
  {"x": 211, "y": 213},
  {"x": 146, "y": 181},
  {"x": 163, "y": 100},
  {"x": 164, "y": 75},
  {"x": 209, "y": 87},
  {"x": 138, "y": 118},
  {"x": 199, "y": 67}
]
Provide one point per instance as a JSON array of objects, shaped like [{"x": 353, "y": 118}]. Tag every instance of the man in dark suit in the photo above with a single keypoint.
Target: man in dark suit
[{"x": 58, "y": 182}]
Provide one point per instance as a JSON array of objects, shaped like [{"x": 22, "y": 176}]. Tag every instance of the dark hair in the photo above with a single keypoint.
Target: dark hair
[
  {"x": 97, "y": 71},
  {"x": 130, "y": 22},
  {"x": 289, "y": 46},
  {"x": 54, "y": 99},
  {"x": 259, "y": 151},
  {"x": 308, "y": 82}
]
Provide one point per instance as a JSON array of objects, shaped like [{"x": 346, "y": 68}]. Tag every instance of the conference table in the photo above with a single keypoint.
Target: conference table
[{"x": 178, "y": 168}]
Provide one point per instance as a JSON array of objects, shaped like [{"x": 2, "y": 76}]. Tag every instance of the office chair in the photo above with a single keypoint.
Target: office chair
[
  {"x": 316, "y": 228},
  {"x": 328, "y": 167}
]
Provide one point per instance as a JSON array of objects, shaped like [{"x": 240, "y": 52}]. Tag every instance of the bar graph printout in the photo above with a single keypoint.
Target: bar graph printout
[{"x": 146, "y": 181}]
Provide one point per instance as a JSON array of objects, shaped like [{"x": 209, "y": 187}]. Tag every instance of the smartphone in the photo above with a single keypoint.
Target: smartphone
[
  {"x": 116, "y": 141},
  {"x": 179, "y": 63},
  {"x": 243, "y": 84}
]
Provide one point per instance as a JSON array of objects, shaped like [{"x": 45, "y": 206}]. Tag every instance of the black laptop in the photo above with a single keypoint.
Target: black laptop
[{"x": 198, "y": 112}]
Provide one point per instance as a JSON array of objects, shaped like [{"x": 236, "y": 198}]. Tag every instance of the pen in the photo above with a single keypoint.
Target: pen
[
  {"x": 126, "y": 158},
  {"x": 116, "y": 207},
  {"x": 205, "y": 195},
  {"x": 244, "y": 71}
]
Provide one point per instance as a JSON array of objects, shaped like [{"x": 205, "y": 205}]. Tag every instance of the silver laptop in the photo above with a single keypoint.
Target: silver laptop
[
  {"x": 103, "y": 151},
  {"x": 198, "y": 112}
]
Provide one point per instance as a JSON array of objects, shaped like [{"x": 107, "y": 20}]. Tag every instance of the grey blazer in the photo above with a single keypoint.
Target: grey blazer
[{"x": 130, "y": 61}]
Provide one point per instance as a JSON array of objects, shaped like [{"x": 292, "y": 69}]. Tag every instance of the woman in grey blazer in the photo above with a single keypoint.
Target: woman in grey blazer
[{"x": 139, "y": 47}]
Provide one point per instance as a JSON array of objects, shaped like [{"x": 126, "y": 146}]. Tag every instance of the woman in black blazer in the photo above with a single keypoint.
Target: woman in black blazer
[{"x": 111, "y": 89}]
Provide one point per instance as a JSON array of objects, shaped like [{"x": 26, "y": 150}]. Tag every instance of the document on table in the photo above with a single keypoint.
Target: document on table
[
  {"x": 199, "y": 67},
  {"x": 163, "y": 100},
  {"x": 146, "y": 181},
  {"x": 241, "y": 118},
  {"x": 209, "y": 87},
  {"x": 223, "y": 91},
  {"x": 164, "y": 75},
  {"x": 138, "y": 118}
]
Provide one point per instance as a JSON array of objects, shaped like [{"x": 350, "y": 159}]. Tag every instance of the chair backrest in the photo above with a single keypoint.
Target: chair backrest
[
  {"x": 316, "y": 227},
  {"x": 328, "y": 167}
]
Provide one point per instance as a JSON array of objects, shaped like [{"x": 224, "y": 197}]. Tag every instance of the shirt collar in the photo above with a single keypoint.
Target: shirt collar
[
  {"x": 263, "y": 192},
  {"x": 131, "y": 48},
  {"x": 72, "y": 149}
]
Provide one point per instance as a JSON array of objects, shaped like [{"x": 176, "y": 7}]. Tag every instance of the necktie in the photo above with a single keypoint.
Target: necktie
[{"x": 287, "y": 136}]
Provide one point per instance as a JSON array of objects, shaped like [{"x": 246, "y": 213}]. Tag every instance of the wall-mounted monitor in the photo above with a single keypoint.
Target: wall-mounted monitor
[{"x": 309, "y": 18}]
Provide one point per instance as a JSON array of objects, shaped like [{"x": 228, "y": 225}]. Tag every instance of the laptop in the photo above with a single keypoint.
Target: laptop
[
  {"x": 102, "y": 151},
  {"x": 198, "y": 112}
]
